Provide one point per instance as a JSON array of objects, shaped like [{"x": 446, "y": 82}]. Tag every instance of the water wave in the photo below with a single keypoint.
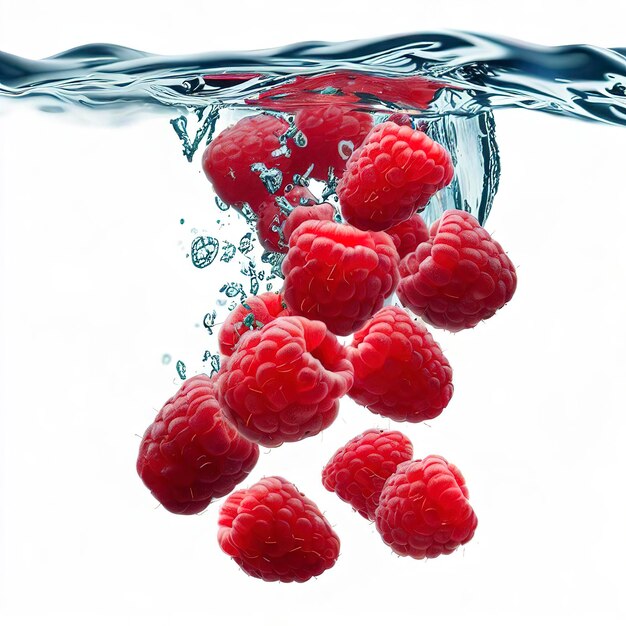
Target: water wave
[{"x": 483, "y": 72}]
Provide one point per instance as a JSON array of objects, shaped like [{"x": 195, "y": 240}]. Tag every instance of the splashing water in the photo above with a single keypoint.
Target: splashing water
[{"x": 450, "y": 81}]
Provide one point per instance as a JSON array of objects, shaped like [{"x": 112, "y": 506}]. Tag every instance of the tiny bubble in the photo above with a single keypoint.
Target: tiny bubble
[{"x": 166, "y": 359}]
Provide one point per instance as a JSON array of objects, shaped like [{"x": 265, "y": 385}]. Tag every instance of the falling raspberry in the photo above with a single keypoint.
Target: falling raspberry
[
  {"x": 190, "y": 455},
  {"x": 273, "y": 532},
  {"x": 424, "y": 511},
  {"x": 283, "y": 383},
  {"x": 391, "y": 176},
  {"x": 249, "y": 161},
  {"x": 358, "y": 470},
  {"x": 253, "y": 314},
  {"x": 338, "y": 274},
  {"x": 399, "y": 369},
  {"x": 458, "y": 278}
]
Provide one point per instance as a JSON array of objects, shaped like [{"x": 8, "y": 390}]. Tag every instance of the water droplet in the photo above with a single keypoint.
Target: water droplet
[
  {"x": 181, "y": 368},
  {"x": 166, "y": 359},
  {"x": 182, "y": 220}
]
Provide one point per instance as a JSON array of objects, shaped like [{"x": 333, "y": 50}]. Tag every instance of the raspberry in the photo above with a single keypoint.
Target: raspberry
[
  {"x": 401, "y": 119},
  {"x": 273, "y": 532},
  {"x": 459, "y": 277},
  {"x": 284, "y": 382},
  {"x": 272, "y": 216},
  {"x": 393, "y": 174},
  {"x": 229, "y": 160},
  {"x": 190, "y": 455},
  {"x": 332, "y": 134},
  {"x": 358, "y": 470},
  {"x": 423, "y": 510},
  {"x": 338, "y": 274},
  {"x": 399, "y": 369},
  {"x": 407, "y": 235},
  {"x": 253, "y": 314},
  {"x": 301, "y": 214}
]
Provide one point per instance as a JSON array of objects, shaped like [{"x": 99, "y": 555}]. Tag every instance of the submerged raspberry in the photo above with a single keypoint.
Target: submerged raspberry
[
  {"x": 273, "y": 214},
  {"x": 407, "y": 235},
  {"x": 283, "y": 382},
  {"x": 358, "y": 470},
  {"x": 190, "y": 455},
  {"x": 240, "y": 157},
  {"x": 391, "y": 176},
  {"x": 339, "y": 274},
  {"x": 424, "y": 511},
  {"x": 458, "y": 278},
  {"x": 253, "y": 314},
  {"x": 399, "y": 369},
  {"x": 273, "y": 532},
  {"x": 332, "y": 134}
]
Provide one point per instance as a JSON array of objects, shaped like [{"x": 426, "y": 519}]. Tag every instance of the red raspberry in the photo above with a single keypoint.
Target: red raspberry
[
  {"x": 358, "y": 470},
  {"x": 393, "y": 174},
  {"x": 230, "y": 157},
  {"x": 332, "y": 133},
  {"x": 190, "y": 455},
  {"x": 284, "y": 382},
  {"x": 272, "y": 216},
  {"x": 401, "y": 119},
  {"x": 423, "y": 510},
  {"x": 338, "y": 274},
  {"x": 263, "y": 309},
  {"x": 458, "y": 278},
  {"x": 273, "y": 532},
  {"x": 407, "y": 235},
  {"x": 301, "y": 214},
  {"x": 399, "y": 369}
]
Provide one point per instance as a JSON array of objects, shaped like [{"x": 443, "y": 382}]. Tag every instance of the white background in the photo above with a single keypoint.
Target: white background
[{"x": 95, "y": 288}]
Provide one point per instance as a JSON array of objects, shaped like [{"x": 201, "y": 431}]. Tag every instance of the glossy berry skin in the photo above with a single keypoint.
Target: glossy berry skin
[
  {"x": 407, "y": 235},
  {"x": 358, "y": 470},
  {"x": 338, "y": 274},
  {"x": 263, "y": 308},
  {"x": 399, "y": 369},
  {"x": 275, "y": 533},
  {"x": 458, "y": 278},
  {"x": 190, "y": 455},
  {"x": 283, "y": 382},
  {"x": 424, "y": 510},
  {"x": 391, "y": 176},
  {"x": 332, "y": 133},
  {"x": 229, "y": 158},
  {"x": 272, "y": 216}
]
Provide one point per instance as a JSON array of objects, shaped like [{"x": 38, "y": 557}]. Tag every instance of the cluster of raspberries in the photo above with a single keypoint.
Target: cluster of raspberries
[{"x": 282, "y": 376}]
